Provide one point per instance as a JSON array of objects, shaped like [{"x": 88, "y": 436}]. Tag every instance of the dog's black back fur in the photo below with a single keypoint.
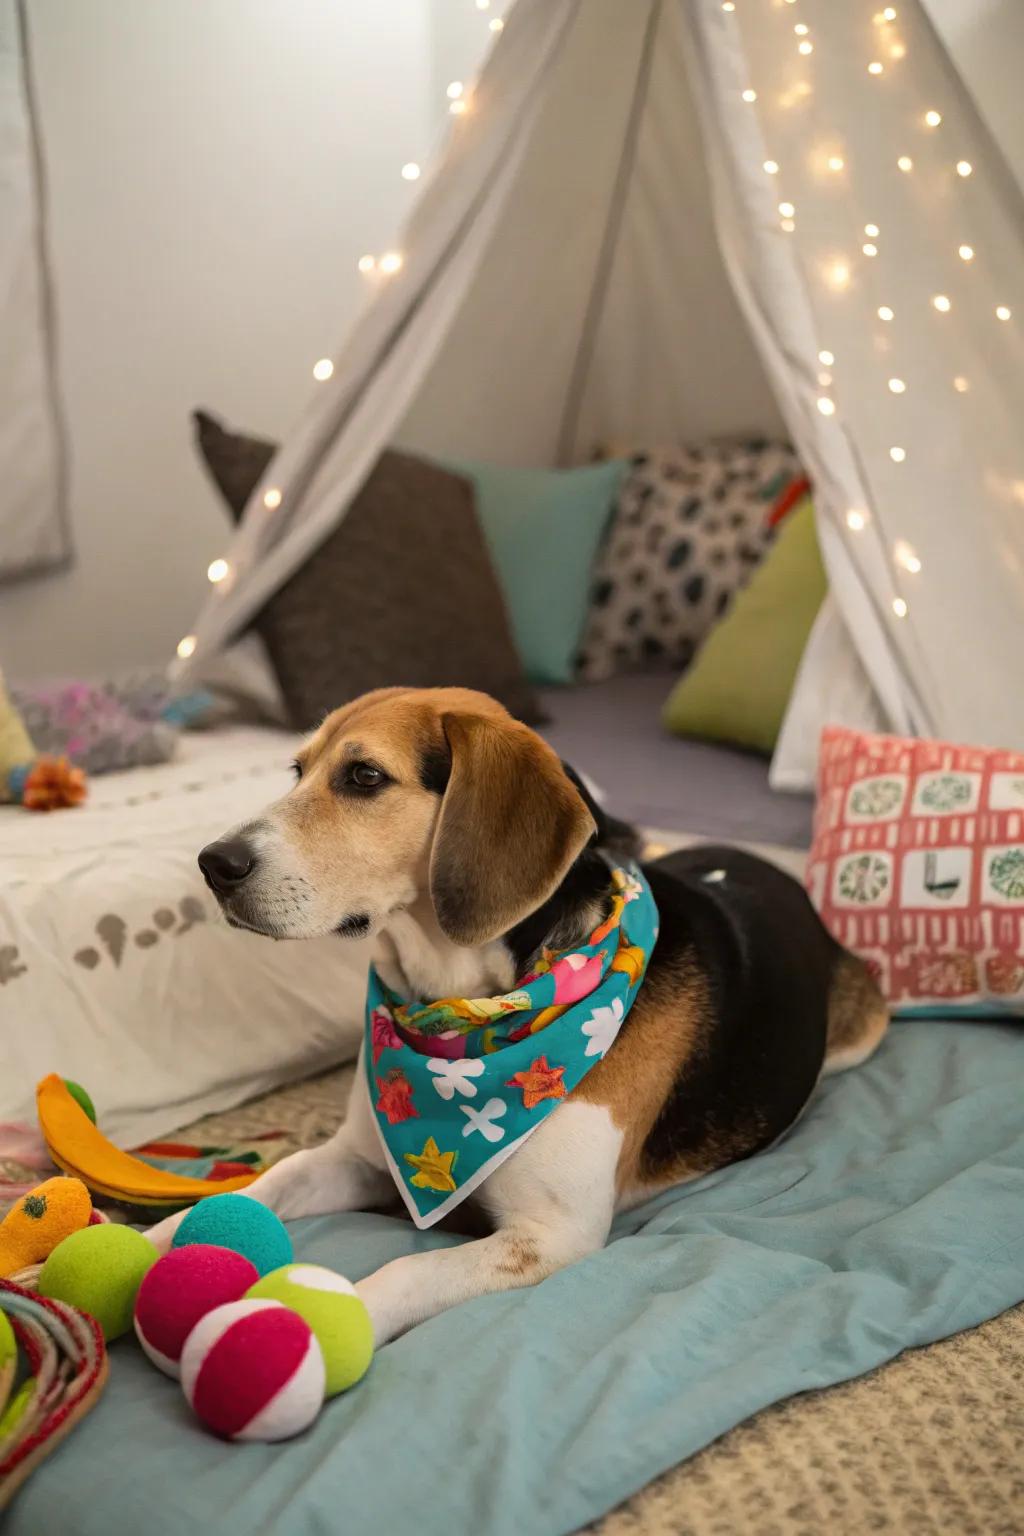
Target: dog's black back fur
[{"x": 767, "y": 964}]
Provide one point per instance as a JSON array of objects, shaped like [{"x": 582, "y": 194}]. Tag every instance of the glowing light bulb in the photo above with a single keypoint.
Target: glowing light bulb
[
  {"x": 186, "y": 647},
  {"x": 1002, "y": 313},
  {"x": 272, "y": 498},
  {"x": 497, "y": 25},
  {"x": 872, "y": 231},
  {"x": 869, "y": 249},
  {"x": 788, "y": 225},
  {"x": 897, "y": 386},
  {"x": 941, "y": 303},
  {"x": 897, "y": 455},
  {"x": 933, "y": 118},
  {"x": 366, "y": 263},
  {"x": 826, "y": 406},
  {"x": 323, "y": 369},
  {"x": 483, "y": 5},
  {"x": 217, "y": 570},
  {"x": 454, "y": 90},
  {"x": 827, "y": 358},
  {"x": 905, "y": 163},
  {"x": 801, "y": 29},
  {"x": 749, "y": 95},
  {"x": 960, "y": 384},
  {"x": 964, "y": 167},
  {"x": 727, "y": 5},
  {"x": 787, "y": 210},
  {"x": 875, "y": 67},
  {"x": 906, "y": 557},
  {"x": 457, "y": 108},
  {"x": 889, "y": 14},
  {"x": 410, "y": 171},
  {"x": 838, "y": 274},
  {"x": 771, "y": 167},
  {"x": 805, "y": 47},
  {"x": 856, "y": 520},
  {"x": 391, "y": 262},
  {"x": 898, "y": 51},
  {"x": 966, "y": 253},
  {"x": 899, "y": 607},
  {"x": 885, "y": 313},
  {"x": 836, "y": 162}
]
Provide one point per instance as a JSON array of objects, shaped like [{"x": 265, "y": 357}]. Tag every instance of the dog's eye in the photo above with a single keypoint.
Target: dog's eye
[
  {"x": 296, "y": 768},
  {"x": 365, "y": 776}
]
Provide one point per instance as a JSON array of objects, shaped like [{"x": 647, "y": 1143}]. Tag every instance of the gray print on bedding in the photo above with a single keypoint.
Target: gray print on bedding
[
  {"x": 112, "y": 931},
  {"x": 10, "y": 964}
]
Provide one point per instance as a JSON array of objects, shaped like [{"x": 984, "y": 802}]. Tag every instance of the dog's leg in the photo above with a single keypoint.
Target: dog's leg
[
  {"x": 342, "y": 1174},
  {"x": 552, "y": 1203}
]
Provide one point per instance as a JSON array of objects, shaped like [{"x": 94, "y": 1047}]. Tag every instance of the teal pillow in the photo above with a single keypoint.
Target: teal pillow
[{"x": 543, "y": 528}]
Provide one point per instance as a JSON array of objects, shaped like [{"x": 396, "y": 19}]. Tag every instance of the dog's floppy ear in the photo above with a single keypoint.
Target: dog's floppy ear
[{"x": 511, "y": 824}]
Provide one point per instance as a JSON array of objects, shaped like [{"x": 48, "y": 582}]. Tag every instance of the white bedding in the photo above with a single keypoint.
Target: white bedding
[{"x": 116, "y": 969}]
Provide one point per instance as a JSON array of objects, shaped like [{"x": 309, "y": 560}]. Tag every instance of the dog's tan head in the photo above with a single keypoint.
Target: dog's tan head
[{"x": 403, "y": 793}]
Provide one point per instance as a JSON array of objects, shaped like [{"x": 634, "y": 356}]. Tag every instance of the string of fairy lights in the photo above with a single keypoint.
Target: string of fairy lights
[
  {"x": 460, "y": 100},
  {"x": 887, "y": 48}
]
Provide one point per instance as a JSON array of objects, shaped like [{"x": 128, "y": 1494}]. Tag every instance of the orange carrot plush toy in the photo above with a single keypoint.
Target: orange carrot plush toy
[{"x": 39, "y": 1221}]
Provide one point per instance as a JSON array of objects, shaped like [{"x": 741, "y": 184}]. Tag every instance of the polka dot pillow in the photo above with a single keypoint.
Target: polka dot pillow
[
  {"x": 689, "y": 529},
  {"x": 917, "y": 865}
]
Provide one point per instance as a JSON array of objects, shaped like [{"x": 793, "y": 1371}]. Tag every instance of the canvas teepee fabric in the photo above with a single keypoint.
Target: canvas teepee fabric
[{"x": 677, "y": 218}]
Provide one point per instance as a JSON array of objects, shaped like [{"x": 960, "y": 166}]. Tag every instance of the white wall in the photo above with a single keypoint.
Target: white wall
[{"x": 215, "y": 170}]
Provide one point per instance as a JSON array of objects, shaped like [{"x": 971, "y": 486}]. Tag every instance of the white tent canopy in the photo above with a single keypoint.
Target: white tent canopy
[{"x": 864, "y": 292}]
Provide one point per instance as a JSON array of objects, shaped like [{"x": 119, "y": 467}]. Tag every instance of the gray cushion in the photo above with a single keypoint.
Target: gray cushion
[{"x": 402, "y": 591}]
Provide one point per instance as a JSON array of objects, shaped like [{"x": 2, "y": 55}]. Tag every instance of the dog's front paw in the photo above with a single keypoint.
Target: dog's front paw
[{"x": 161, "y": 1235}]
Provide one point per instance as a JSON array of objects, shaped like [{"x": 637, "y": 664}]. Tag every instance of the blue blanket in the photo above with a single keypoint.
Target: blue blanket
[{"x": 891, "y": 1216}]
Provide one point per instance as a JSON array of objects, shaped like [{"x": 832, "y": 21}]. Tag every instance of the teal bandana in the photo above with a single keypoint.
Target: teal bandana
[{"x": 457, "y": 1085}]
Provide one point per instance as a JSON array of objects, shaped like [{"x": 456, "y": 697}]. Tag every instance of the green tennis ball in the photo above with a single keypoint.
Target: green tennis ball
[
  {"x": 8, "y": 1346},
  {"x": 338, "y": 1317},
  {"x": 99, "y": 1270},
  {"x": 81, "y": 1098}
]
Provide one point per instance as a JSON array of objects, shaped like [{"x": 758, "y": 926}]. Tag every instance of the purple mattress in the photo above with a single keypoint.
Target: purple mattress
[{"x": 613, "y": 733}]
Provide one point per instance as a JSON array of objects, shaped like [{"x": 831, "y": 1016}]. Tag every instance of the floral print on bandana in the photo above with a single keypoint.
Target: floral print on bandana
[{"x": 458, "y": 1084}]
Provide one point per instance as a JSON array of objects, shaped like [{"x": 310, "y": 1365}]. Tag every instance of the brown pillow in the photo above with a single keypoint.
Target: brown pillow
[{"x": 402, "y": 591}]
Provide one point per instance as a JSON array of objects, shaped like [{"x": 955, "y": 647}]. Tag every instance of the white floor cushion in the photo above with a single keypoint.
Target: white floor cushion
[{"x": 117, "y": 971}]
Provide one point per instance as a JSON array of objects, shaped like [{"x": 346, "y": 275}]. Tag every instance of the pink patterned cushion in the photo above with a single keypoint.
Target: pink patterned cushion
[{"x": 917, "y": 865}]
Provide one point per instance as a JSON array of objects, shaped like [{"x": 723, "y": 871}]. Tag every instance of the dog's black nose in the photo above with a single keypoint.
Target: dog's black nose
[{"x": 226, "y": 864}]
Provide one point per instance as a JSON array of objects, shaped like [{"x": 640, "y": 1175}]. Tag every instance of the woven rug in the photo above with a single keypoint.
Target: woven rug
[{"x": 931, "y": 1444}]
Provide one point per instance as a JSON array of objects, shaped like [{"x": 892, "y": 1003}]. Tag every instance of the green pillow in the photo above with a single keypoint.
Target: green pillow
[
  {"x": 543, "y": 527},
  {"x": 738, "y": 687}
]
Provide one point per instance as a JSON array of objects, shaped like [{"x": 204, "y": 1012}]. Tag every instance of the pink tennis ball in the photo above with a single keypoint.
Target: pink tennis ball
[
  {"x": 179, "y": 1290},
  {"x": 252, "y": 1370}
]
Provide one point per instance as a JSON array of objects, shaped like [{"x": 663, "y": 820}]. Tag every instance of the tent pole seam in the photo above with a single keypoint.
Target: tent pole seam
[{"x": 609, "y": 242}]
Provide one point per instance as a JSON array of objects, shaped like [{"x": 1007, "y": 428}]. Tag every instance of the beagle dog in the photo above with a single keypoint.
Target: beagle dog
[{"x": 451, "y": 833}]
